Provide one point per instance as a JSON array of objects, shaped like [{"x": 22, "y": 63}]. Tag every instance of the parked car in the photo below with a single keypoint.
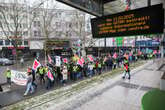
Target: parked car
[{"x": 6, "y": 61}]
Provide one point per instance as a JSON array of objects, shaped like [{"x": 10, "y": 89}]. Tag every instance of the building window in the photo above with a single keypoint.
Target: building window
[
  {"x": 35, "y": 23},
  {"x": 13, "y": 42},
  {"x": 19, "y": 42},
  {"x": 1, "y": 42},
  {"x": 35, "y": 33},
  {"x": 38, "y": 23},
  {"x": 25, "y": 42},
  {"x": 7, "y": 42}
]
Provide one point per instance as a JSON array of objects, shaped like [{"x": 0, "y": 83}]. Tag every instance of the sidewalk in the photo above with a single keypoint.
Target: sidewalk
[{"x": 113, "y": 93}]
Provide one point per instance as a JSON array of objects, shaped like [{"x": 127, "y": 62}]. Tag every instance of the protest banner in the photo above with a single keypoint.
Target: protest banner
[{"x": 19, "y": 78}]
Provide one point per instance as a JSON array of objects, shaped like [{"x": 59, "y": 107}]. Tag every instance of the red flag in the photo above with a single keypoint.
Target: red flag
[
  {"x": 155, "y": 52},
  {"x": 49, "y": 59},
  {"x": 50, "y": 76},
  {"x": 90, "y": 58},
  {"x": 65, "y": 60},
  {"x": 139, "y": 52},
  {"x": 115, "y": 55},
  {"x": 82, "y": 60},
  {"x": 36, "y": 64},
  {"x": 130, "y": 54}
]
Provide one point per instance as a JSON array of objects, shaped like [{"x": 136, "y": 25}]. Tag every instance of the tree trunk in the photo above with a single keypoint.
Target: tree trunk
[
  {"x": 45, "y": 56},
  {"x": 16, "y": 57},
  {"x": 83, "y": 49}
]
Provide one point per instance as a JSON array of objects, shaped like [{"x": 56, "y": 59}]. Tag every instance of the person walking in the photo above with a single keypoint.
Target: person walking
[
  {"x": 41, "y": 73},
  {"x": 99, "y": 67},
  {"x": 29, "y": 85},
  {"x": 1, "y": 90},
  {"x": 8, "y": 76},
  {"x": 33, "y": 78},
  {"x": 126, "y": 68},
  {"x": 64, "y": 75},
  {"x": 22, "y": 61}
]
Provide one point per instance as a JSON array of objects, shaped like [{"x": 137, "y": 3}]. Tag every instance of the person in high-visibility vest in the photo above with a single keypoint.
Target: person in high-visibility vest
[
  {"x": 8, "y": 76},
  {"x": 41, "y": 73},
  {"x": 75, "y": 69}
]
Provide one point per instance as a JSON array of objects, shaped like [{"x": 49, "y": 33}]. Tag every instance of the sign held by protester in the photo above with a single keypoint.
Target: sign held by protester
[
  {"x": 58, "y": 61},
  {"x": 19, "y": 78}
]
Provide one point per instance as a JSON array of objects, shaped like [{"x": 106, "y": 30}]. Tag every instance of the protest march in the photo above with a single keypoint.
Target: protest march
[{"x": 61, "y": 70}]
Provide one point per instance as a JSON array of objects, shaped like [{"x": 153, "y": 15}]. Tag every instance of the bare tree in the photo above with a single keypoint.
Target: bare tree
[
  {"x": 47, "y": 13},
  {"x": 77, "y": 28},
  {"x": 79, "y": 20},
  {"x": 15, "y": 22}
]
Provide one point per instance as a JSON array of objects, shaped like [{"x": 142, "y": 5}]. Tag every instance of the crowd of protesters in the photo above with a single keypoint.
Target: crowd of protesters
[
  {"x": 49, "y": 75},
  {"x": 73, "y": 71}
]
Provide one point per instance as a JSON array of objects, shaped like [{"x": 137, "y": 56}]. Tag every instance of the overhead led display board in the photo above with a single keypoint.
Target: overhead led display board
[{"x": 148, "y": 20}]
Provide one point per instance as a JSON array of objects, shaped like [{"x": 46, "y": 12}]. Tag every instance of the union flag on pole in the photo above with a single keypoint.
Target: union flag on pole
[
  {"x": 80, "y": 62},
  {"x": 36, "y": 64},
  {"x": 65, "y": 60},
  {"x": 49, "y": 59},
  {"x": 50, "y": 76},
  {"x": 155, "y": 52},
  {"x": 115, "y": 55},
  {"x": 90, "y": 58}
]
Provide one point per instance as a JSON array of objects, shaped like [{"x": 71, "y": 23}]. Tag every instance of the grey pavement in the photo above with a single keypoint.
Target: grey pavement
[{"x": 111, "y": 94}]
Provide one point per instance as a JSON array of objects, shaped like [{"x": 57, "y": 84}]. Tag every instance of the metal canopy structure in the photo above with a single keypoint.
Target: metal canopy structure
[
  {"x": 106, "y": 7},
  {"x": 96, "y": 7}
]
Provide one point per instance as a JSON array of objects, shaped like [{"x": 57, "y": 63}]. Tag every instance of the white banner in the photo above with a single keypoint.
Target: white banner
[
  {"x": 19, "y": 78},
  {"x": 58, "y": 61}
]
